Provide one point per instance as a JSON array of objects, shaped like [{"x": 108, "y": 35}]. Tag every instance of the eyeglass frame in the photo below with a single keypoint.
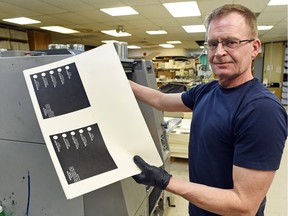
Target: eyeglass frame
[{"x": 207, "y": 47}]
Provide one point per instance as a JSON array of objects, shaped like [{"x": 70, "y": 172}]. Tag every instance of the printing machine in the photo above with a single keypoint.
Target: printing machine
[{"x": 28, "y": 182}]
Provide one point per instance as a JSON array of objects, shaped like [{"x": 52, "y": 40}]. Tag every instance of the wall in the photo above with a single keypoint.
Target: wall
[
  {"x": 273, "y": 62},
  {"x": 285, "y": 78}
]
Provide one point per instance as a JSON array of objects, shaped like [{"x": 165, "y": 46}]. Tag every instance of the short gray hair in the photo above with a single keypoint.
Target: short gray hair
[{"x": 227, "y": 9}]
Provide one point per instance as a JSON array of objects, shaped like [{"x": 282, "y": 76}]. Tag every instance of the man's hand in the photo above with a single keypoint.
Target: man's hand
[{"x": 151, "y": 175}]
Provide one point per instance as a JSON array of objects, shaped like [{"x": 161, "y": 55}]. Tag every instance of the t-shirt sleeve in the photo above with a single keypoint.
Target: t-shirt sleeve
[
  {"x": 190, "y": 97},
  {"x": 260, "y": 131},
  {"x": 187, "y": 99}
]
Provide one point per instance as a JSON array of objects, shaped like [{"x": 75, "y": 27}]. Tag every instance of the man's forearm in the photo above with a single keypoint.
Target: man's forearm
[
  {"x": 164, "y": 102},
  {"x": 147, "y": 95},
  {"x": 219, "y": 201}
]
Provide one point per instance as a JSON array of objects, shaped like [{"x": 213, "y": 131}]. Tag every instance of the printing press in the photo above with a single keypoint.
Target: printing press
[{"x": 28, "y": 181}]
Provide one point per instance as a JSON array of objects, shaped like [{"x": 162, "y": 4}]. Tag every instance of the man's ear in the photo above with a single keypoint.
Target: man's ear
[{"x": 256, "y": 48}]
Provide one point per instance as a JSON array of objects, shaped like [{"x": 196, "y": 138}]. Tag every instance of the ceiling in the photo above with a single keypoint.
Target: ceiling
[{"x": 86, "y": 17}]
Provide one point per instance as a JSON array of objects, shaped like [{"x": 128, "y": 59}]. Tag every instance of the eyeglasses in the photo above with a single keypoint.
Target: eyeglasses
[{"x": 227, "y": 44}]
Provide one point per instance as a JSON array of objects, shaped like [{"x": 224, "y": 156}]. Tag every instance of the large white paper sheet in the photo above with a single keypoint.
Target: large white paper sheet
[{"x": 90, "y": 120}]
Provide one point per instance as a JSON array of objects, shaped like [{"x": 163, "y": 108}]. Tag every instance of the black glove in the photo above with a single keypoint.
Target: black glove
[{"x": 151, "y": 175}]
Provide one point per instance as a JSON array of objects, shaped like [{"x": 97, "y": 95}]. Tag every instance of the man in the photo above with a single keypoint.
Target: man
[{"x": 238, "y": 130}]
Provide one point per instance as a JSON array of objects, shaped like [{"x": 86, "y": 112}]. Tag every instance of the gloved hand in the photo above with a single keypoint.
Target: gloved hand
[{"x": 151, "y": 175}]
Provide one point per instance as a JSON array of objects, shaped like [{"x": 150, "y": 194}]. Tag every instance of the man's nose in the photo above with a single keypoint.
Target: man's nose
[{"x": 220, "y": 50}]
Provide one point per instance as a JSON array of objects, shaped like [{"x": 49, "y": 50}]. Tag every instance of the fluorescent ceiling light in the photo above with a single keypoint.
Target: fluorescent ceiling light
[
  {"x": 21, "y": 20},
  {"x": 174, "y": 42},
  {"x": 133, "y": 47},
  {"x": 267, "y": 27},
  {"x": 194, "y": 28},
  {"x": 183, "y": 9},
  {"x": 157, "y": 32},
  {"x": 166, "y": 45},
  {"x": 109, "y": 41},
  {"x": 116, "y": 34},
  {"x": 119, "y": 11},
  {"x": 59, "y": 29},
  {"x": 278, "y": 2}
]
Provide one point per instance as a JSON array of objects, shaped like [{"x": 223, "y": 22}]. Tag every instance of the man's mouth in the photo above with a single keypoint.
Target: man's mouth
[{"x": 221, "y": 63}]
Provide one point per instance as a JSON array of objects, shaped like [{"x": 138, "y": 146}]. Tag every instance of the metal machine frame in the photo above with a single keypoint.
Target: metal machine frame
[{"x": 28, "y": 182}]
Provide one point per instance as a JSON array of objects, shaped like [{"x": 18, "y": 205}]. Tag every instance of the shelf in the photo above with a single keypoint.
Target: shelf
[
  {"x": 13, "y": 38},
  {"x": 173, "y": 69},
  {"x": 167, "y": 58}
]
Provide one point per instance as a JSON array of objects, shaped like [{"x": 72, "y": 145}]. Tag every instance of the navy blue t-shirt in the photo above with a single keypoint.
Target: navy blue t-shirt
[{"x": 244, "y": 126}]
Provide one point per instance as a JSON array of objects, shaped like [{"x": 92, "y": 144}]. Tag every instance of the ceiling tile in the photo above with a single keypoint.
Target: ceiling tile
[{"x": 86, "y": 16}]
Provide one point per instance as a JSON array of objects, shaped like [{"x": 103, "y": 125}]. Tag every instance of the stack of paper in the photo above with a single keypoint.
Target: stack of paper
[{"x": 179, "y": 139}]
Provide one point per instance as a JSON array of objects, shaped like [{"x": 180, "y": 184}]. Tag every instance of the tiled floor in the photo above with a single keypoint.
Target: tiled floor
[
  {"x": 276, "y": 197},
  {"x": 179, "y": 169},
  {"x": 277, "y": 202}
]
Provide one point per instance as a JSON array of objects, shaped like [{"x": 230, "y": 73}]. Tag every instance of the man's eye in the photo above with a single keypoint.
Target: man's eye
[
  {"x": 213, "y": 44},
  {"x": 231, "y": 42}
]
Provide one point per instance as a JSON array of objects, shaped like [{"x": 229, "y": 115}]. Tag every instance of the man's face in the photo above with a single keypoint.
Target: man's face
[{"x": 231, "y": 64}]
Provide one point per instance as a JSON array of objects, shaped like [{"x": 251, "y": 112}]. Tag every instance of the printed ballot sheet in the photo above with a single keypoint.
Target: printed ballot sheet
[{"x": 90, "y": 120}]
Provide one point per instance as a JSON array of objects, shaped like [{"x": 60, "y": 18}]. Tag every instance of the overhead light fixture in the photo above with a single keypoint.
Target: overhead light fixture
[
  {"x": 166, "y": 45},
  {"x": 183, "y": 9},
  {"x": 194, "y": 28},
  {"x": 174, "y": 42},
  {"x": 267, "y": 27},
  {"x": 133, "y": 47},
  {"x": 156, "y": 32},
  {"x": 115, "y": 33},
  {"x": 59, "y": 29},
  {"x": 120, "y": 28},
  {"x": 119, "y": 11},
  {"x": 277, "y": 2},
  {"x": 21, "y": 20}
]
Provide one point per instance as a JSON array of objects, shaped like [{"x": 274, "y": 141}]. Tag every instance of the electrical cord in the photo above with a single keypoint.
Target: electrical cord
[{"x": 28, "y": 198}]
